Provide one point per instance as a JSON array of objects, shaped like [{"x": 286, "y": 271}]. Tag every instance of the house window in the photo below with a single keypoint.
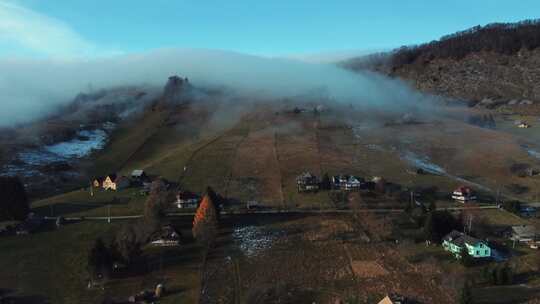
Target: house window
[
  {"x": 485, "y": 252},
  {"x": 477, "y": 252}
]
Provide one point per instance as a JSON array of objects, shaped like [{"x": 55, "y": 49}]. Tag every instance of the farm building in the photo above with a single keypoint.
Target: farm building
[
  {"x": 523, "y": 233},
  {"x": 115, "y": 182},
  {"x": 32, "y": 223},
  {"x": 167, "y": 236},
  {"x": 139, "y": 176},
  {"x": 186, "y": 199},
  {"x": 393, "y": 299},
  {"x": 463, "y": 194},
  {"x": 347, "y": 182},
  {"x": 455, "y": 241},
  {"x": 307, "y": 182},
  {"x": 98, "y": 182}
]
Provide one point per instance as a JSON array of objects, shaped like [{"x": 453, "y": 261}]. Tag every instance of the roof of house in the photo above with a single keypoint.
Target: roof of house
[
  {"x": 112, "y": 176},
  {"x": 137, "y": 173},
  {"x": 459, "y": 238},
  {"x": 464, "y": 190},
  {"x": 121, "y": 178},
  {"x": 305, "y": 176},
  {"x": 524, "y": 230},
  {"x": 166, "y": 232},
  {"x": 185, "y": 195},
  {"x": 392, "y": 299}
]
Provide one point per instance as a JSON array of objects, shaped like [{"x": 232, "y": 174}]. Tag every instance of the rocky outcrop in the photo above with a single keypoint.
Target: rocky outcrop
[{"x": 175, "y": 90}]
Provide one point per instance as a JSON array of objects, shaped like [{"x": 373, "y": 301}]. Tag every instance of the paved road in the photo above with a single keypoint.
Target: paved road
[{"x": 256, "y": 212}]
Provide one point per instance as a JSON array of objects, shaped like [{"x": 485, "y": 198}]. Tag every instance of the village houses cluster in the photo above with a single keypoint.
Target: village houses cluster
[
  {"x": 139, "y": 178},
  {"x": 308, "y": 182}
]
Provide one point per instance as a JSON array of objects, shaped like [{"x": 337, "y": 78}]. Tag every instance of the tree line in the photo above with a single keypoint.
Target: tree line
[{"x": 502, "y": 38}]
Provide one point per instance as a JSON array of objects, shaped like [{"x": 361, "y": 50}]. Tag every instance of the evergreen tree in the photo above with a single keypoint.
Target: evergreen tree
[
  {"x": 217, "y": 201},
  {"x": 432, "y": 206},
  {"x": 429, "y": 228},
  {"x": 466, "y": 294},
  {"x": 154, "y": 207},
  {"x": 99, "y": 259},
  {"x": 325, "y": 182},
  {"x": 466, "y": 258},
  {"x": 14, "y": 203},
  {"x": 127, "y": 244}
]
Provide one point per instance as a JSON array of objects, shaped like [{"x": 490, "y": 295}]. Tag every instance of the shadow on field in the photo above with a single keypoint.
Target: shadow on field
[
  {"x": 9, "y": 296},
  {"x": 63, "y": 209},
  {"x": 505, "y": 294}
]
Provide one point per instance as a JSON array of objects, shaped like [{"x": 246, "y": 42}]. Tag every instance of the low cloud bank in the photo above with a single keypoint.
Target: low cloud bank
[{"x": 31, "y": 88}]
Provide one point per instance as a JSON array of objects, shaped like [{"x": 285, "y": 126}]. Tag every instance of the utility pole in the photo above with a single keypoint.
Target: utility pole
[
  {"x": 470, "y": 223},
  {"x": 91, "y": 189},
  {"x": 109, "y": 212}
]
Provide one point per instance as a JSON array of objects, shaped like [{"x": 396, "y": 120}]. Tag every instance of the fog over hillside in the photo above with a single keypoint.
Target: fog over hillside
[{"x": 32, "y": 87}]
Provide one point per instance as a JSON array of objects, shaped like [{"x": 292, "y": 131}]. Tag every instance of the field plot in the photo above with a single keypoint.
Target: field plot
[
  {"x": 81, "y": 203},
  {"x": 256, "y": 174},
  {"x": 316, "y": 259},
  {"x": 298, "y": 152},
  {"x": 212, "y": 164},
  {"x": 50, "y": 267}
]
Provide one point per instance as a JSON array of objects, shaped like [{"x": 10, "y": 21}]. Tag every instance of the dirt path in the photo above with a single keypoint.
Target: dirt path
[
  {"x": 234, "y": 160},
  {"x": 196, "y": 151},
  {"x": 276, "y": 157},
  {"x": 260, "y": 212},
  {"x": 237, "y": 282}
]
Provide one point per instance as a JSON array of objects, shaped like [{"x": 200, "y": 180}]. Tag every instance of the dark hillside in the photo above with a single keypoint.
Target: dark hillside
[{"x": 498, "y": 63}]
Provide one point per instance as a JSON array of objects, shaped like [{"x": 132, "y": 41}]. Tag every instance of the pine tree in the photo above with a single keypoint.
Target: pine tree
[
  {"x": 99, "y": 259},
  {"x": 154, "y": 206},
  {"x": 429, "y": 228},
  {"x": 466, "y": 258},
  {"x": 466, "y": 294},
  {"x": 325, "y": 182},
  {"x": 127, "y": 244},
  {"x": 14, "y": 203},
  {"x": 432, "y": 206},
  {"x": 205, "y": 221}
]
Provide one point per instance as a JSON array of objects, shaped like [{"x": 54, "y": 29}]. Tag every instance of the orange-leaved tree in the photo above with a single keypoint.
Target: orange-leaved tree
[{"x": 205, "y": 222}]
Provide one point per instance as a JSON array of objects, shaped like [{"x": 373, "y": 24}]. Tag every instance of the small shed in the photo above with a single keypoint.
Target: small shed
[{"x": 524, "y": 233}]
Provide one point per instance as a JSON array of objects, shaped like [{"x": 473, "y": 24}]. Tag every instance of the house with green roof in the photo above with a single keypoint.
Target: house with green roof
[{"x": 455, "y": 241}]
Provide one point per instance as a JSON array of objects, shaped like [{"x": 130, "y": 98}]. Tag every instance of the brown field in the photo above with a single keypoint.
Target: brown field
[{"x": 317, "y": 270}]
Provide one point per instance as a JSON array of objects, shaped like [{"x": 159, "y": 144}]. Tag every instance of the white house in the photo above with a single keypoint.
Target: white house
[
  {"x": 463, "y": 195},
  {"x": 186, "y": 199}
]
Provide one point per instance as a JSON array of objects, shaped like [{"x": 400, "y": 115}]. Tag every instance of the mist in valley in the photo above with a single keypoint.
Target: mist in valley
[{"x": 36, "y": 87}]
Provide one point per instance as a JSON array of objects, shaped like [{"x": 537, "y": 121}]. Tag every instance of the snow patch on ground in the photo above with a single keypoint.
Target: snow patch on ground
[
  {"x": 28, "y": 163},
  {"x": 252, "y": 240},
  {"x": 78, "y": 148},
  {"x": 533, "y": 153},
  {"x": 422, "y": 162}
]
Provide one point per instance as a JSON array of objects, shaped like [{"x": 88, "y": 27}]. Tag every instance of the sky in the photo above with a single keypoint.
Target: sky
[{"x": 82, "y": 28}]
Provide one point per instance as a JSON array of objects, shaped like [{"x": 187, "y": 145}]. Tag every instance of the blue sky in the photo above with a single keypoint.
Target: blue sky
[{"x": 274, "y": 27}]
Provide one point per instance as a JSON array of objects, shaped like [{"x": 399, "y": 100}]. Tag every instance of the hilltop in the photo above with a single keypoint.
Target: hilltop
[{"x": 493, "y": 65}]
